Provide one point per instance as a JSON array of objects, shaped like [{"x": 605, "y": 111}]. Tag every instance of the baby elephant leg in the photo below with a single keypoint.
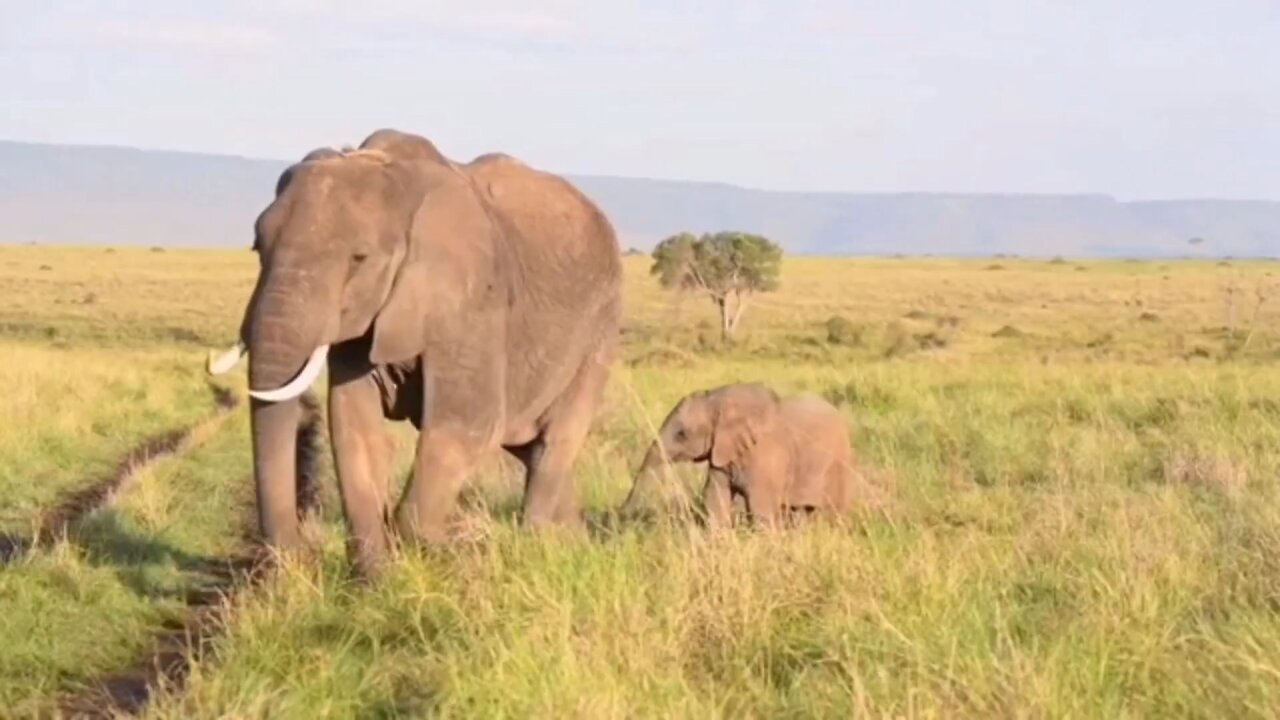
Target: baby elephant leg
[{"x": 717, "y": 499}]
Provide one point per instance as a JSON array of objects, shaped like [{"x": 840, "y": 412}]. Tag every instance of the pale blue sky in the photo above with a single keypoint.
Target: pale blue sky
[{"x": 1138, "y": 98}]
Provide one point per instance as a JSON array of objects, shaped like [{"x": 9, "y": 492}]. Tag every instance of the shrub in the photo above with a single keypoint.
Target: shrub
[{"x": 843, "y": 331}]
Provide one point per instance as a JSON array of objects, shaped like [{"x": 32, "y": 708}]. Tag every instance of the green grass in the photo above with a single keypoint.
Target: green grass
[
  {"x": 1065, "y": 544},
  {"x": 93, "y": 602},
  {"x": 1077, "y": 517},
  {"x": 71, "y": 414}
]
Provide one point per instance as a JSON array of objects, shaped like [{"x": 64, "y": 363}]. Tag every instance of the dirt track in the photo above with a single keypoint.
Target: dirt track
[
  {"x": 70, "y": 509},
  {"x": 191, "y": 636}
]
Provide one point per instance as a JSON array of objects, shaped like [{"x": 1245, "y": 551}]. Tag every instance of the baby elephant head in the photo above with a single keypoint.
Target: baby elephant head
[{"x": 720, "y": 426}]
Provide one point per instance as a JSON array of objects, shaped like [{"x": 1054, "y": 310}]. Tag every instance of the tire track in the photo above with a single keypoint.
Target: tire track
[
  {"x": 190, "y": 638},
  {"x": 182, "y": 641},
  {"x": 66, "y": 512}
]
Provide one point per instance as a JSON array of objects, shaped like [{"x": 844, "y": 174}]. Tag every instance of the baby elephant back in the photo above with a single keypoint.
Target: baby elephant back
[{"x": 823, "y": 457}]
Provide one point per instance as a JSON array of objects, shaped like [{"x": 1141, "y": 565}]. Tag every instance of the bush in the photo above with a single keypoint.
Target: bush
[{"x": 843, "y": 331}]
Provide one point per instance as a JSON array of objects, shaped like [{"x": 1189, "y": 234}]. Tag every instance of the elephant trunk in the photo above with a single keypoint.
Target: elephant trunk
[
  {"x": 642, "y": 482},
  {"x": 286, "y": 353},
  {"x": 275, "y": 427},
  {"x": 284, "y": 330}
]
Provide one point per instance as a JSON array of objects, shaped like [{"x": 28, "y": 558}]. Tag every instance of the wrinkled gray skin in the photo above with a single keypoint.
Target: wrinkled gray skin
[
  {"x": 480, "y": 302},
  {"x": 778, "y": 454}
]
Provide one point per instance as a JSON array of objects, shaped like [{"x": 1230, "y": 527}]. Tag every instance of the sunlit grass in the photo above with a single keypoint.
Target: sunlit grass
[
  {"x": 93, "y": 602},
  {"x": 1073, "y": 464},
  {"x": 69, "y": 415}
]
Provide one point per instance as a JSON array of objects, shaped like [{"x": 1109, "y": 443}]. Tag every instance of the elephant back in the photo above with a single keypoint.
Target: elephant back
[
  {"x": 565, "y": 269},
  {"x": 822, "y": 453}
]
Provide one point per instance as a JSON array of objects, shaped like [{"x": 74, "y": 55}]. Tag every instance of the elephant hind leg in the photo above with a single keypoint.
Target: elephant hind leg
[
  {"x": 766, "y": 508},
  {"x": 550, "y": 495}
]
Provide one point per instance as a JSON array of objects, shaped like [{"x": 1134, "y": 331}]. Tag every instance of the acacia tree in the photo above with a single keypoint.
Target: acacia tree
[{"x": 727, "y": 267}]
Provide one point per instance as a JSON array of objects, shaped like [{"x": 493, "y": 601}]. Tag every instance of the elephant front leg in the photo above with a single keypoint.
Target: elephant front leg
[
  {"x": 717, "y": 499},
  {"x": 446, "y": 455},
  {"x": 361, "y": 454}
]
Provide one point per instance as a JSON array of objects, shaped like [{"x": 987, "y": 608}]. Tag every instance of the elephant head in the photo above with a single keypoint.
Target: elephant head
[
  {"x": 332, "y": 249},
  {"x": 720, "y": 426}
]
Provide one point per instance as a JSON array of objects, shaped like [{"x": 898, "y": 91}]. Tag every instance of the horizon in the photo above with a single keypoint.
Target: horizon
[
  {"x": 715, "y": 183},
  {"x": 631, "y": 251},
  {"x": 1141, "y": 101}
]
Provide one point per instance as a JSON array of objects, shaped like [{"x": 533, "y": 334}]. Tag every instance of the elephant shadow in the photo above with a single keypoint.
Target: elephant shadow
[
  {"x": 148, "y": 565},
  {"x": 501, "y": 502},
  {"x": 598, "y": 523}
]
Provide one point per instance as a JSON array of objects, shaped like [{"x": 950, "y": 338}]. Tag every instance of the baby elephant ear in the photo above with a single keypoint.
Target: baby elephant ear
[{"x": 742, "y": 416}]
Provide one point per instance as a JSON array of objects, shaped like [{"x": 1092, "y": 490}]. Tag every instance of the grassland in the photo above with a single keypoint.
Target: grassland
[{"x": 1076, "y": 510}]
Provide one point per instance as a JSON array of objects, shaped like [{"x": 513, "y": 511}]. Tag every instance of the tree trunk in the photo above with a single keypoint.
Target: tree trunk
[
  {"x": 725, "y": 329},
  {"x": 740, "y": 304}
]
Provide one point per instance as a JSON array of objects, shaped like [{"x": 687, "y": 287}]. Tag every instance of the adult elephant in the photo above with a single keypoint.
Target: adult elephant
[{"x": 479, "y": 301}]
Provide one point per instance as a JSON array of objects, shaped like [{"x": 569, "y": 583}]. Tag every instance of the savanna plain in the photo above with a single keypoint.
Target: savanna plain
[{"x": 1071, "y": 509}]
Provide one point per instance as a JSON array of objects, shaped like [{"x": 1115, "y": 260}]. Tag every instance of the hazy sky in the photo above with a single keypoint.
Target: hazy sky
[{"x": 1138, "y": 98}]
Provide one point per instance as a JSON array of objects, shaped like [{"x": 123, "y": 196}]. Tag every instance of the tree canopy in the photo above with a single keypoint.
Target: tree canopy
[{"x": 728, "y": 267}]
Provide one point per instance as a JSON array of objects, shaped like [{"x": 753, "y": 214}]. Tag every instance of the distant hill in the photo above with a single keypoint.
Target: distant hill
[{"x": 108, "y": 195}]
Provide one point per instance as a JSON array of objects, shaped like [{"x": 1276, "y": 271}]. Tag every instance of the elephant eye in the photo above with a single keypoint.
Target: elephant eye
[
  {"x": 359, "y": 257},
  {"x": 680, "y": 434}
]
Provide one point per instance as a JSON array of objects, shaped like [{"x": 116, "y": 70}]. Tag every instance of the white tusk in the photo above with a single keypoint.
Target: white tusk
[
  {"x": 221, "y": 363},
  {"x": 299, "y": 384}
]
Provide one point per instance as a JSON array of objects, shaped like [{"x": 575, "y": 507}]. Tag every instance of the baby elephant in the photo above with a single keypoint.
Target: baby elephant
[{"x": 779, "y": 454}]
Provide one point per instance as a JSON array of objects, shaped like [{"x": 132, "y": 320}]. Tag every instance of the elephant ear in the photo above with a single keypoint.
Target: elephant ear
[
  {"x": 449, "y": 248},
  {"x": 742, "y": 417}
]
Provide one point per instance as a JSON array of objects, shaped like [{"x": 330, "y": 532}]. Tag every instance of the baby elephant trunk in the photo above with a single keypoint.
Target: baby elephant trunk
[{"x": 645, "y": 477}]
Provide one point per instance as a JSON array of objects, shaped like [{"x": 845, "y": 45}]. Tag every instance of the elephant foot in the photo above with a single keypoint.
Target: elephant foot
[
  {"x": 369, "y": 559},
  {"x": 571, "y": 529},
  {"x": 369, "y": 569},
  {"x": 412, "y": 532}
]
